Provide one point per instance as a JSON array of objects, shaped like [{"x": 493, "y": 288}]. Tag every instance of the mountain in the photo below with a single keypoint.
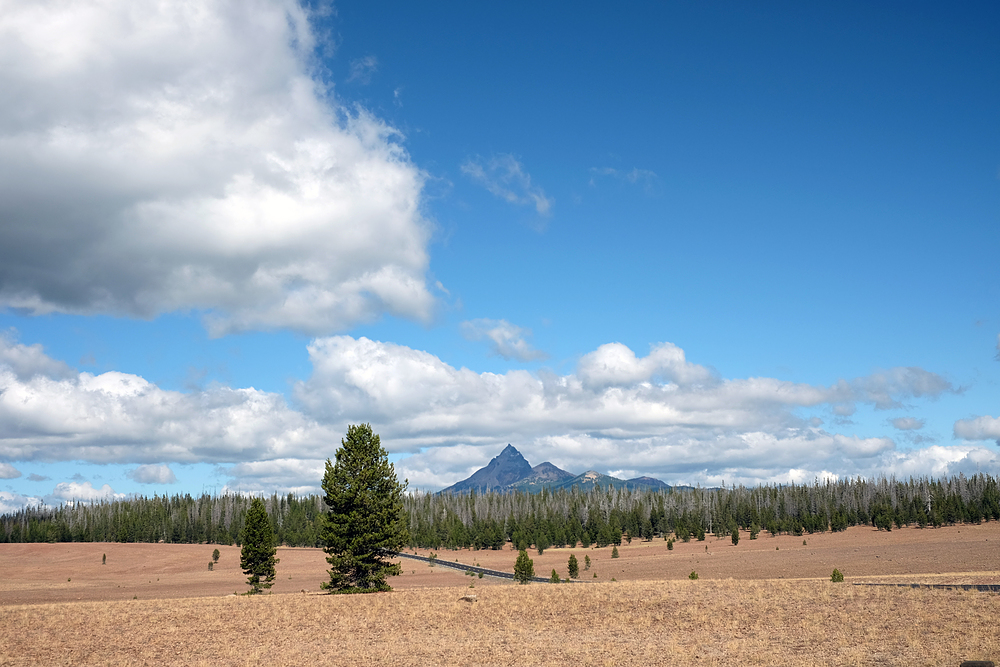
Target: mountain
[
  {"x": 509, "y": 471},
  {"x": 542, "y": 475},
  {"x": 647, "y": 481},
  {"x": 505, "y": 469}
]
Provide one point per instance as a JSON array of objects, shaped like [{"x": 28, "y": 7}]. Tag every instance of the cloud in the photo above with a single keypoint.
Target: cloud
[
  {"x": 908, "y": 423},
  {"x": 615, "y": 364},
  {"x": 506, "y": 339},
  {"x": 11, "y": 502},
  {"x": 658, "y": 414},
  {"x": 154, "y": 162},
  {"x": 7, "y": 471},
  {"x": 978, "y": 428},
  {"x": 153, "y": 474},
  {"x": 362, "y": 69},
  {"x": 299, "y": 476},
  {"x": 27, "y": 361},
  {"x": 505, "y": 178},
  {"x": 121, "y": 418},
  {"x": 34, "y": 477},
  {"x": 85, "y": 491}
]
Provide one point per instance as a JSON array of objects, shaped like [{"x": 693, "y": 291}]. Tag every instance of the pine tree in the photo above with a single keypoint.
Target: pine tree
[
  {"x": 524, "y": 568},
  {"x": 257, "y": 555},
  {"x": 574, "y": 567},
  {"x": 215, "y": 556},
  {"x": 614, "y": 552},
  {"x": 554, "y": 579},
  {"x": 735, "y": 535},
  {"x": 366, "y": 525}
]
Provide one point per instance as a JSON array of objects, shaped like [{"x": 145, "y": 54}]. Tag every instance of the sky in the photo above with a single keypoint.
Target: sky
[{"x": 712, "y": 243}]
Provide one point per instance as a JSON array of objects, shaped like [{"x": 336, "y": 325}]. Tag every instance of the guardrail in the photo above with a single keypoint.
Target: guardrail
[
  {"x": 989, "y": 588},
  {"x": 469, "y": 568}
]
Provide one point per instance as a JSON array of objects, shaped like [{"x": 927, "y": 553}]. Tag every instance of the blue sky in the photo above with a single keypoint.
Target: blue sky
[{"x": 703, "y": 242}]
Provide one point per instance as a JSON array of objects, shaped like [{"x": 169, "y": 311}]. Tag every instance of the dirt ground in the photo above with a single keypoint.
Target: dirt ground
[{"x": 45, "y": 573}]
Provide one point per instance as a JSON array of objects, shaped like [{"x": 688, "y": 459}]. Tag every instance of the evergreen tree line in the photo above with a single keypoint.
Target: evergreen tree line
[
  {"x": 606, "y": 516},
  {"x": 178, "y": 519},
  {"x": 602, "y": 516}
]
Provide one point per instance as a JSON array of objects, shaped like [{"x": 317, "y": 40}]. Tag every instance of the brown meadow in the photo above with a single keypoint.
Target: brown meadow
[{"x": 652, "y": 615}]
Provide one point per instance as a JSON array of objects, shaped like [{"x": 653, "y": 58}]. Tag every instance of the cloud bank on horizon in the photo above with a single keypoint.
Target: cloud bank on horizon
[
  {"x": 195, "y": 158},
  {"x": 657, "y": 415}
]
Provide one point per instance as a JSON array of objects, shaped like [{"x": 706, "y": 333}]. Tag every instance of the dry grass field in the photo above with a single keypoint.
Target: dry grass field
[{"x": 752, "y": 604}]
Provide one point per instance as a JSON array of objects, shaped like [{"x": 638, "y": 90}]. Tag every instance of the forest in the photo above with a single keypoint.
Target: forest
[{"x": 491, "y": 520}]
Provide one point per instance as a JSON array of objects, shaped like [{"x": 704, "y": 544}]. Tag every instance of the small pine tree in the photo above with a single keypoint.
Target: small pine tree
[
  {"x": 257, "y": 555},
  {"x": 837, "y": 577},
  {"x": 670, "y": 545},
  {"x": 215, "y": 556},
  {"x": 586, "y": 562},
  {"x": 104, "y": 559},
  {"x": 735, "y": 535},
  {"x": 693, "y": 575},
  {"x": 614, "y": 552},
  {"x": 574, "y": 567},
  {"x": 211, "y": 566},
  {"x": 524, "y": 568},
  {"x": 554, "y": 579}
]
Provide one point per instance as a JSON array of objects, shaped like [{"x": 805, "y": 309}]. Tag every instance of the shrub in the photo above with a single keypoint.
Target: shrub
[
  {"x": 614, "y": 552},
  {"x": 574, "y": 567},
  {"x": 837, "y": 576},
  {"x": 215, "y": 556},
  {"x": 432, "y": 559},
  {"x": 670, "y": 545},
  {"x": 524, "y": 568},
  {"x": 104, "y": 559},
  {"x": 211, "y": 566},
  {"x": 554, "y": 579},
  {"x": 480, "y": 575},
  {"x": 693, "y": 575}
]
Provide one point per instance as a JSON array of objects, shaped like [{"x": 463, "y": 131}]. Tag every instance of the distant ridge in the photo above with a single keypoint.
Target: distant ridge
[{"x": 510, "y": 471}]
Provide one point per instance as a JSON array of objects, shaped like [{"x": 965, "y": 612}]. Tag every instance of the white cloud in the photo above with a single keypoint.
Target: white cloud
[
  {"x": 658, "y": 414},
  {"x": 506, "y": 340},
  {"x": 162, "y": 157},
  {"x": 12, "y": 502},
  {"x": 978, "y": 428},
  {"x": 153, "y": 474},
  {"x": 27, "y": 361},
  {"x": 362, "y": 69},
  {"x": 85, "y": 491},
  {"x": 7, "y": 471},
  {"x": 908, "y": 423},
  {"x": 120, "y": 418},
  {"x": 299, "y": 476},
  {"x": 615, "y": 364},
  {"x": 505, "y": 178}
]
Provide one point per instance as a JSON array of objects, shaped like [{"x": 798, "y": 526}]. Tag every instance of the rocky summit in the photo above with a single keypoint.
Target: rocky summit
[{"x": 509, "y": 471}]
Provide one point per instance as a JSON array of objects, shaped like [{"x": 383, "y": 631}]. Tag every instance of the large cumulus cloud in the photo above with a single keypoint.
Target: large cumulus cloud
[{"x": 157, "y": 156}]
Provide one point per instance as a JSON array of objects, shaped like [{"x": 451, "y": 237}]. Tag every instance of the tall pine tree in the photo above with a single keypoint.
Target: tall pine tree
[{"x": 366, "y": 524}]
